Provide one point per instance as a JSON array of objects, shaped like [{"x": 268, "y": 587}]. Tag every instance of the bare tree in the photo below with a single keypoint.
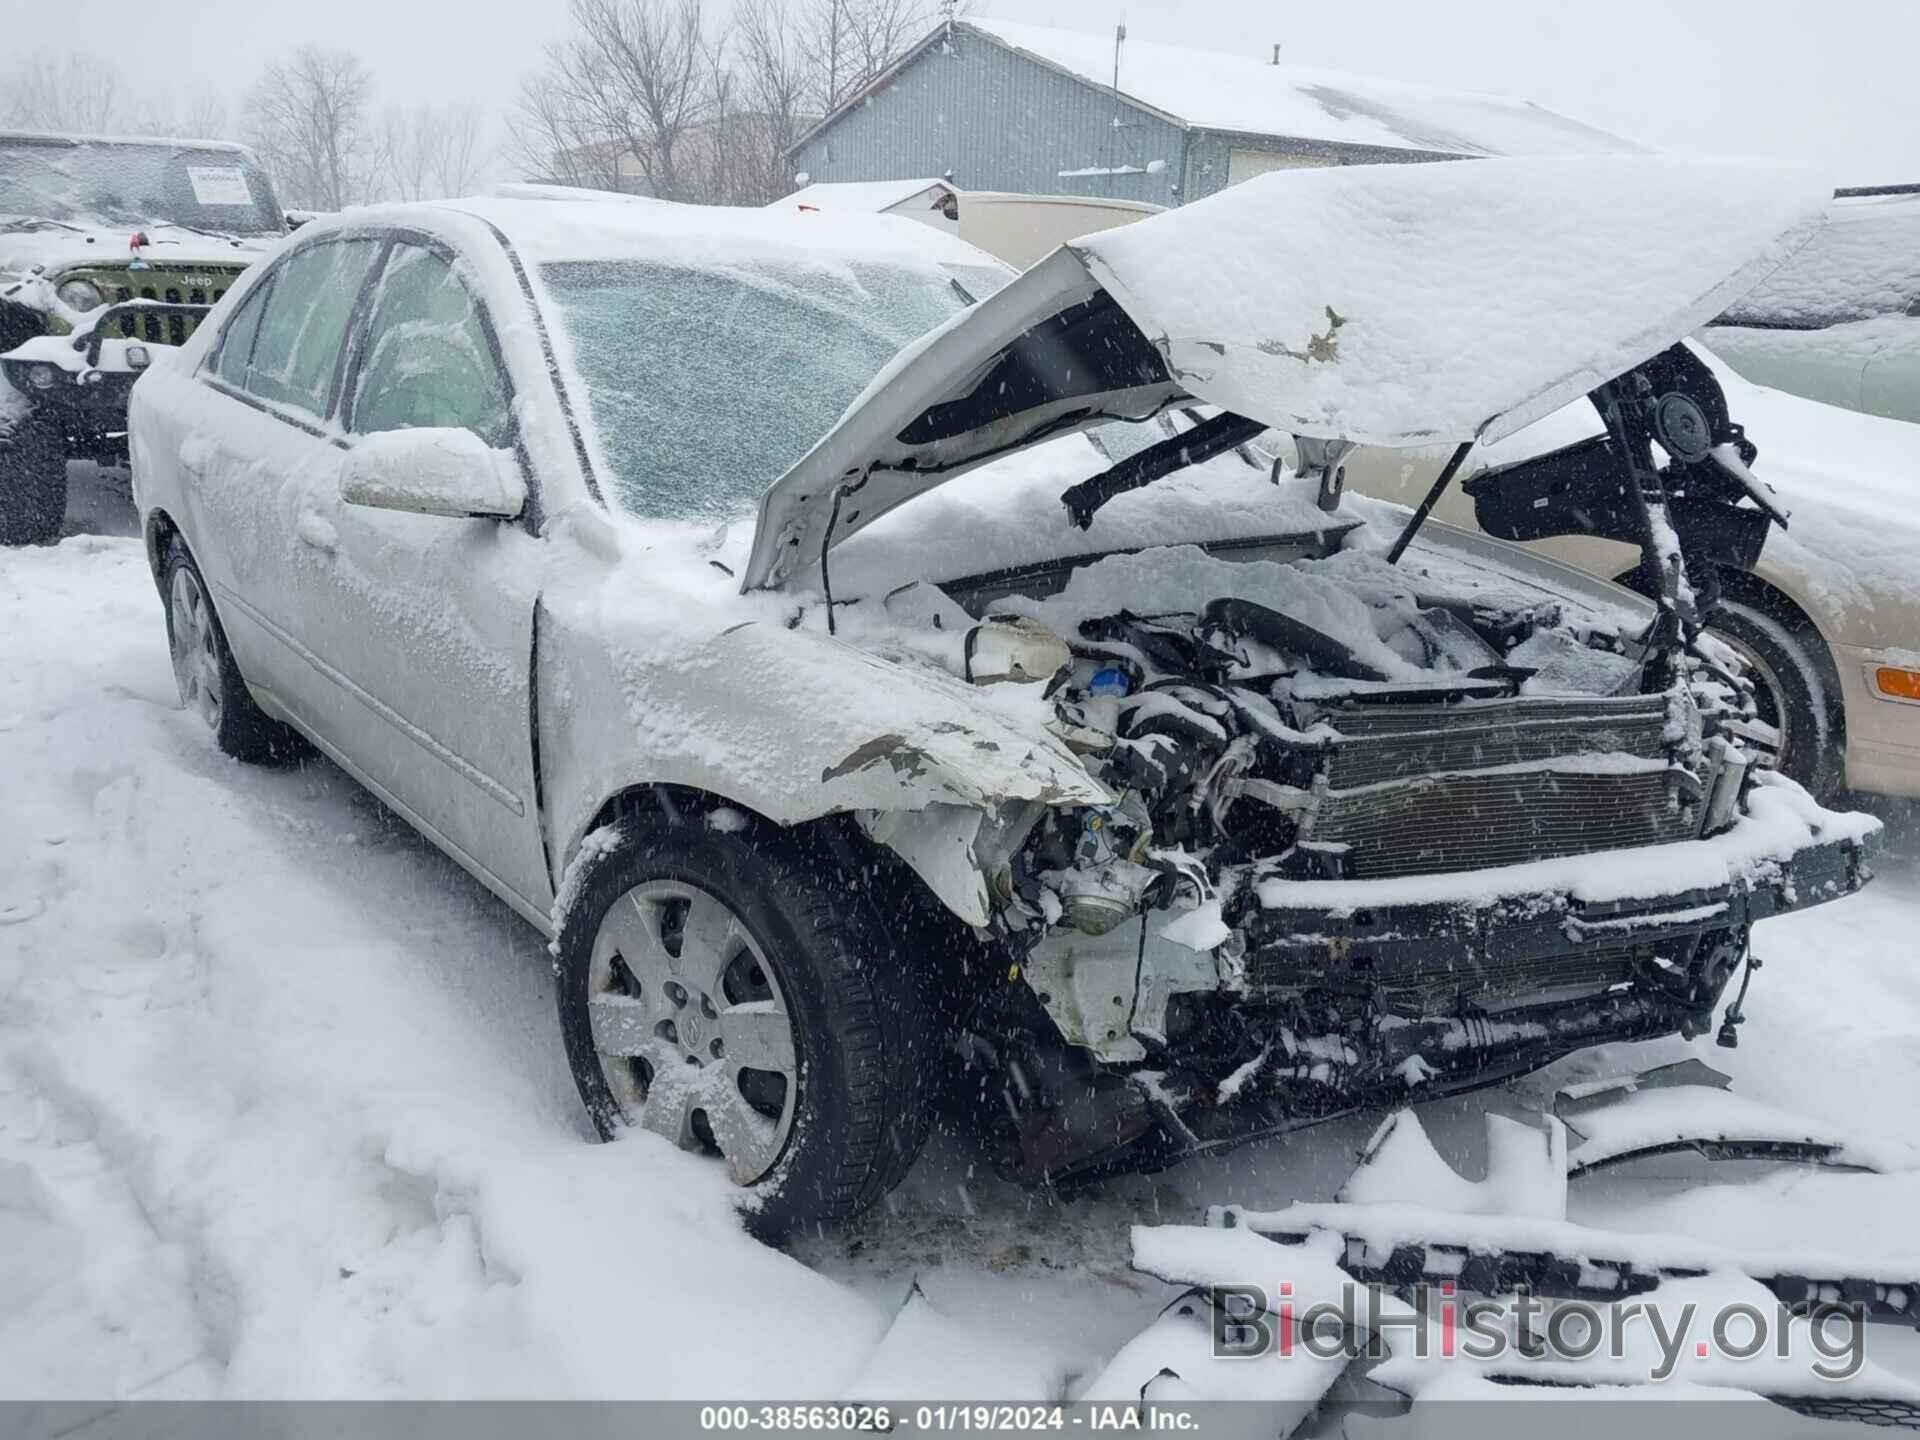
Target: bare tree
[
  {"x": 432, "y": 152},
  {"x": 636, "y": 77},
  {"x": 847, "y": 43},
  {"x": 63, "y": 90},
  {"x": 75, "y": 91},
  {"x": 309, "y": 117},
  {"x": 776, "y": 82},
  {"x": 641, "y": 96}
]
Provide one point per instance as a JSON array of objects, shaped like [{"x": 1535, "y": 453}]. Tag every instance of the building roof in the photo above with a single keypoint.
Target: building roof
[{"x": 1212, "y": 90}]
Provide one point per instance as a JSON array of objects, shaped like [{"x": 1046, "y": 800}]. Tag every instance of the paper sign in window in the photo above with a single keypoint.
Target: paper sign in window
[{"x": 219, "y": 185}]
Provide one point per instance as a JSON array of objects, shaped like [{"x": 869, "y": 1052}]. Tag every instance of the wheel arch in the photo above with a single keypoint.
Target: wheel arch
[
  {"x": 1763, "y": 595},
  {"x": 839, "y": 833},
  {"x": 159, "y": 531}
]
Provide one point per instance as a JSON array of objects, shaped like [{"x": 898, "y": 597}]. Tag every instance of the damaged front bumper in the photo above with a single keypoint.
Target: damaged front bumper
[
  {"x": 1318, "y": 1004},
  {"x": 1517, "y": 941}
]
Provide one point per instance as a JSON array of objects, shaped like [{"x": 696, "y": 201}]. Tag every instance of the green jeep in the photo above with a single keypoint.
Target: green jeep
[{"x": 108, "y": 248}]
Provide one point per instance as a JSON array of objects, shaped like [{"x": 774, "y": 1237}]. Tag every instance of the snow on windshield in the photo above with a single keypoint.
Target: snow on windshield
[
  {"x": 131, "y": 183},
  {"x": 1865, "y": 263},
  {"x": 698, "y": 431}
]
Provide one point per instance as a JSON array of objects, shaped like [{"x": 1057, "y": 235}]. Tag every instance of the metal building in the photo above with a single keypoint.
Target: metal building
[{"x": 996, "y": 105}]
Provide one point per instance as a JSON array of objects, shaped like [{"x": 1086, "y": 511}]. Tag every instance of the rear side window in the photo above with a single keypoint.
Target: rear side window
[
  {"x": 428, "y": 358},
  {"x": 304, "y": 323},
  {"x": 236, "y": 343}
]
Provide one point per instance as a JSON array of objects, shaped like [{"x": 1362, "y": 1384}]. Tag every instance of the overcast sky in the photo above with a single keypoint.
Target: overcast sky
[{"x": 1830, "y": 82}]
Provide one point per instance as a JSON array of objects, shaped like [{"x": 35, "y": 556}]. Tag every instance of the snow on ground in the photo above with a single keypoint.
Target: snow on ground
[{"x": 283, "y": 1110}]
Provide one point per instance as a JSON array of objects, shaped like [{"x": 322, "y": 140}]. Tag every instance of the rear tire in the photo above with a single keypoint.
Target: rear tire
[
  {"x": 796, "y": 944},
  {"x": 204, "y": 670},
  {"x": 33, "y": 481},
  {"x": 1792, "y": 689}
]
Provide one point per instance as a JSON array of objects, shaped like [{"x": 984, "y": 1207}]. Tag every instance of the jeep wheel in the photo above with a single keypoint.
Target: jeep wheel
[
  {"x": 715, "y": 989},
  {"x": 206, "y": 675},
  {"x": 33, "y": 481}
]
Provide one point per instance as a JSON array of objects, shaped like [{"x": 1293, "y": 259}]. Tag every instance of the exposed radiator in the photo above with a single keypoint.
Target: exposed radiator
[
  {"x": 1416, "y": 790},
  {"x": 1389, "y": 742}
]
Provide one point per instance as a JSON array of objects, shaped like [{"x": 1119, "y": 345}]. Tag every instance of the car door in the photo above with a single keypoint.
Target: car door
[
  {"x": 424, "y": 623},
  {"x": 277, "y": 370},
  {"x": 1890, "y": 385}
]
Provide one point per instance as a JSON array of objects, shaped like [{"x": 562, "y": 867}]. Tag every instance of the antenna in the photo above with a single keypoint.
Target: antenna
[{"x": 1276, "y": 50}]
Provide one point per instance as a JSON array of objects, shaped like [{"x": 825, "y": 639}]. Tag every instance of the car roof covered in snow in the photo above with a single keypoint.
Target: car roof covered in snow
[
  {"x": 154, "y": 142},
  {"x": 548, "y": 230},
  {"x": 555, "y": 227},
  {"x": 1217, "y": 91}
]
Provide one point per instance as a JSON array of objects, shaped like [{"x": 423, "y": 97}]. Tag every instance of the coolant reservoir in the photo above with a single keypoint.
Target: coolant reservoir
[{"x": 1012, "y": 647}]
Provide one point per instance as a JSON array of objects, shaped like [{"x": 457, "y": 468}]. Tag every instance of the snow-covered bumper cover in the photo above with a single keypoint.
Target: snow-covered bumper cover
[
  {"x": 1333, "y": 996},
  {"x": 92, "y": 371},
  {"x": 1566, "y": 924}
]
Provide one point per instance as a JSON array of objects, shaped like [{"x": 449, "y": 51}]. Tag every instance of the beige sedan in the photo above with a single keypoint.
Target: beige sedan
[{"x": 1829, "y": 618}]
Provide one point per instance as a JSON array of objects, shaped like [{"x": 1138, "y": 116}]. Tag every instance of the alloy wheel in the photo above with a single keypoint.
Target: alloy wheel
[
  {"x": 691, "y": 1027},
  {"x": 196, "y": 656}
]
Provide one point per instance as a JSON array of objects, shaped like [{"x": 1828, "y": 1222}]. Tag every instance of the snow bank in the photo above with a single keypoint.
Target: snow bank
[
  {"x": 1400, "y": 305},
  {"x": 283, "y": 1106}
]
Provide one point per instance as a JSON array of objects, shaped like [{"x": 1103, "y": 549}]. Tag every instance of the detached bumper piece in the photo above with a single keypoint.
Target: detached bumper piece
[
  {"x": 1413, "y": 1233},
  {"x": 1564, "y": 1261}
]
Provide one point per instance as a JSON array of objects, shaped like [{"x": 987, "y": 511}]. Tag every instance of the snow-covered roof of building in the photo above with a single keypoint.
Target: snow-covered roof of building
[
  {"x": 866, "y": 197},
  {"x": 1213, "y": 90}
]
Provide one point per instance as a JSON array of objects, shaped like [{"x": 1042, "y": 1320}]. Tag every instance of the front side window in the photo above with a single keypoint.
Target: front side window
[
  {"x": 305, "y": 323},
  {"x": 428, "y": 359},
  {"x": 236, "y": 342},
  {"x": 707, "y": 384}
]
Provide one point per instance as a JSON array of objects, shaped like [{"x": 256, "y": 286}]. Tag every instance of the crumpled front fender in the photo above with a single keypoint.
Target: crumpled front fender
[{"x": 791, "y": 725}]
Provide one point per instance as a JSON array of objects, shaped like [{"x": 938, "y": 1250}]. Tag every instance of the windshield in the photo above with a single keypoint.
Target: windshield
[
  {"x": 707, "y": 384},
  {"x": 125, "y": 183}
]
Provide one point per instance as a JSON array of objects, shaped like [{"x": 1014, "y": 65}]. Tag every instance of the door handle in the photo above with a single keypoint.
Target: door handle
[{"x": 316, "y": 530}]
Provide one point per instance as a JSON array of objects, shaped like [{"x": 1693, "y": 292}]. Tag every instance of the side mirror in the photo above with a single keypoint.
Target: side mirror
[{"x": 433, "y": 471}]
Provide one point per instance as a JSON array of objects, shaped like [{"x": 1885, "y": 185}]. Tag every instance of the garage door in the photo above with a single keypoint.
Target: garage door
[{"x": 1245, "y": 164}]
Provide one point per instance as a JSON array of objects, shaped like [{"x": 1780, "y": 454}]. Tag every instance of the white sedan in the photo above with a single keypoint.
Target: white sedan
[{"x": 1155, "y": 790}]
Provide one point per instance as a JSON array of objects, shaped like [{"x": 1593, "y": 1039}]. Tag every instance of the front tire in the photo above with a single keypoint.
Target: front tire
[
  {"x": 716, "y": 987},
  {"x": 206, "y": 674},
  {"x": 1792, "y": 691},
  {"x": 33, "y": 481}
]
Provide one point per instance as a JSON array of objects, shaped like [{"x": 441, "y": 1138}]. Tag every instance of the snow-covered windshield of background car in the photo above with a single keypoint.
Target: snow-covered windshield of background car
[
  {"x": 698, "y": 432},
  {"x": 125, "y": 183}
]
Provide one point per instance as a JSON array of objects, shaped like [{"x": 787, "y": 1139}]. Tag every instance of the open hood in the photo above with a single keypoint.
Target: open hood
[{"x": 1391, "y": 305}]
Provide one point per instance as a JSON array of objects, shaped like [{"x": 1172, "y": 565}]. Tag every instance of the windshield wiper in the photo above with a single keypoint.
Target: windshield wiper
[
  {"x": 34, "y": 222},
  {"x": 197, "y": 230}
]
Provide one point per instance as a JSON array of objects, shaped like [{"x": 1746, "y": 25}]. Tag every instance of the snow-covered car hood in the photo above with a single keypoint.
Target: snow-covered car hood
[
  {"x": 57, "y": 246},
  {"x": 1386, "y": 305}
]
